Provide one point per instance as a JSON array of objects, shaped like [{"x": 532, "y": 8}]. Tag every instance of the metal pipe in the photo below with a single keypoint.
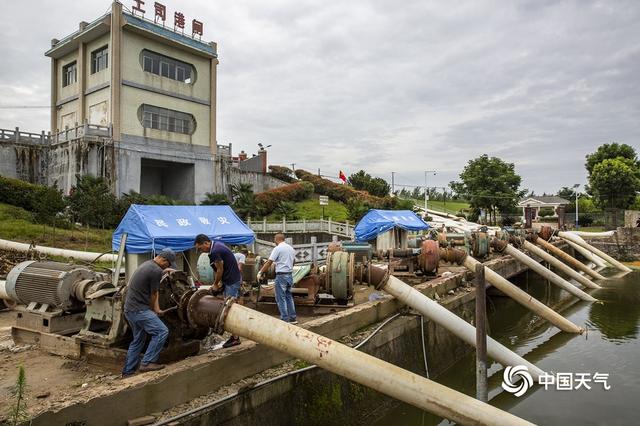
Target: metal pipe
[
  {"x": 604, "y": 234},
  {"x": 456, "y": 325},
  {"x": 559, "y": 265},
  {"x": 523, "y": 298},
  {"x": 3, "y": 291},
  {"x": 600, "y": 264},
  {"x": 52, "y": 251},
  {"x": 576, "y": 239},
  {"x": 340, "y": 359},
  {"x": 546, "y": 273},
  {"x": 482, "y": 392},
  {"x": 568, "y": 259}
]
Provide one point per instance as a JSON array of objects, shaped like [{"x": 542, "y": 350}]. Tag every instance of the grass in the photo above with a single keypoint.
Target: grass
[
  {"x": 452, "y": 207},
  {"x": 311, "y": 209},
  {"x": 17, "y": 224}
]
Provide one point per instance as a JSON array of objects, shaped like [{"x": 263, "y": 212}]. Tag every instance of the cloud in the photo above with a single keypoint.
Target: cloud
[{"x": 388, "y": 87}]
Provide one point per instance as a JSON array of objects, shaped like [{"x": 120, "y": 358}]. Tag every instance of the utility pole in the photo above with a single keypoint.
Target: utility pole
[
  {"x": 293, "y": 167},
  {"x": 393, "y": 189},
  {"x": 426, "y": 189},
  {"x": 575, "y": 189}
]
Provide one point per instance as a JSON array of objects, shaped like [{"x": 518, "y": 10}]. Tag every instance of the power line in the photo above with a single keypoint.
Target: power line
[{"x": 23, "y": 106}]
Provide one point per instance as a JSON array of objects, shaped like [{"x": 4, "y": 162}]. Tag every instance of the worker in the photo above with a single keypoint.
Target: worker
[
  {"x": 227, "y": 274},
  {"x": 241, "y": 257},
  {"x": 142, "y": 311},
  {"x": 283, "y": 255}
]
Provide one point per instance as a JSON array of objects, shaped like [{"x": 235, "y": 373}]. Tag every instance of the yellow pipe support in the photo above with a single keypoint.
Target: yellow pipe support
[
  {"x": 547, "y": 273},
  {"x": 576, "y": 239},
  {"x": 559, "y": 265},
  {"x": 364, "y": 369},
  {"x": 523, "y": 298},
  {"x": 568, "y": 259}
]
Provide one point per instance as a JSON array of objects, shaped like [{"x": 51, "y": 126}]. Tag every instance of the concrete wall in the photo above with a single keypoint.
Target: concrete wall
[
  {"x": 226, "y": 175},
  {"x": 631, "y": 218}
]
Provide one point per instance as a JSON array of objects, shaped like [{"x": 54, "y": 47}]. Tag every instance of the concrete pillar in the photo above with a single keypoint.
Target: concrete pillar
[
  {"x": 115, "y": 44},
  {"x": 213, "y": 101},
  {"x": 82, "y": 76},
  {"x": 54, "y": 90}
]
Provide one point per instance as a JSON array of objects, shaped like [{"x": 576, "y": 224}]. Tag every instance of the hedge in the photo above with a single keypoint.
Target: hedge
[
  {"x": 345, "y": 193},
  {"x": 267, "y": 201},
  {"x": 19, "y": 193}
]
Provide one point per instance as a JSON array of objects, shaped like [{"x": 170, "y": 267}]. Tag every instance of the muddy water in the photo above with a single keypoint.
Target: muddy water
[{"x": 611, "y": 346}]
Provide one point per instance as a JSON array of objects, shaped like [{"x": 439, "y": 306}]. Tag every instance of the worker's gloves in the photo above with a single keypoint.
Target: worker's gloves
[{"x": 259, "y": 276}]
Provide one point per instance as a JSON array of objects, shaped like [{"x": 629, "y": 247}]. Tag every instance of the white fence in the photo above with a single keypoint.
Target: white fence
[
  {"x": 302, "y": 226},
  {"x": 313, "y": 252}
]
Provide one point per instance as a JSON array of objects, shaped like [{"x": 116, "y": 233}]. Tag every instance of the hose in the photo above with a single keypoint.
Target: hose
[{"x": 266, "y": 382}]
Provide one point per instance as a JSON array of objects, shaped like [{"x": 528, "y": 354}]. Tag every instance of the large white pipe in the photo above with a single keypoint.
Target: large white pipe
[
  {"x": 548, "y": 274},
  {"x": 576, "y": 239},
  {"x": 567, "y": 258},
  {"x": 600, "y": 264},
  {"x": 52, "y": 251},
  {"x": 3, "y": 291},
  {"x": 364, "y": 369},
  {"x": 523, "y": 298},
  {"x": 559, "y": 265},
  {"x": 447, "y": 319},
  {"x": 605, "y": 234}
]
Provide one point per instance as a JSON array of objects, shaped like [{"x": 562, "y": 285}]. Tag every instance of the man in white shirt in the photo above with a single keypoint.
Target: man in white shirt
[
  {"x": 241, "y": 257},
  {"x": 283, "y": 255}
]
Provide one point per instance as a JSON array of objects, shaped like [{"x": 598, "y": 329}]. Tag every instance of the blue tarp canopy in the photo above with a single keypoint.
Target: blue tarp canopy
[
  {"x": 376, "y": 222},
  {"x": 152, "y": 228}
]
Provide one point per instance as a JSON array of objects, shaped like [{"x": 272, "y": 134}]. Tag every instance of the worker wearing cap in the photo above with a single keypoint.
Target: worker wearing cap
[
  {"x": 283, "y": 255},
  {"x": 142, "y": 311},
  {"x": 227, "y": 273}
]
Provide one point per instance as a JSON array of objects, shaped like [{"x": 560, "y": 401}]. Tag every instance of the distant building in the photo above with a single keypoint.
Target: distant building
[{"x": 538, "y": 203}]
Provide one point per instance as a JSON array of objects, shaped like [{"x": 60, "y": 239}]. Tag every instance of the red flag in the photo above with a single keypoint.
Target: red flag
[{"x": 342, "y": 177}]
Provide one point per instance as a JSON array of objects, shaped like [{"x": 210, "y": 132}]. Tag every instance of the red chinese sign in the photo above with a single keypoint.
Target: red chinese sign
[{"x": 160, "y": 14}]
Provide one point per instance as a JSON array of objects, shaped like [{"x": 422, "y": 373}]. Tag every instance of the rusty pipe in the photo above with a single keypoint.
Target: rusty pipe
[
  {"x": 568, "y": 259},
  {"x": 340, "y": 359}
]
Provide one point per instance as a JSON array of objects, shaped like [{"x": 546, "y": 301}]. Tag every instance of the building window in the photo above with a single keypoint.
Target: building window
[
  {"x": 99, "y": 60},
  {"x": 69, "y": 74},
  {"x": 154, "y": 117},
  {"x": 167, "y": 67}
]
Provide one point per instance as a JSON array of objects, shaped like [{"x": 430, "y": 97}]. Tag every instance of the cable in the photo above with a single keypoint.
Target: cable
[{"x": 266, "y": 382}]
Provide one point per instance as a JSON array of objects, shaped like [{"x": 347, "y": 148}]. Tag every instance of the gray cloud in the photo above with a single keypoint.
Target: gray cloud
[{"x": 383, "y": 87}]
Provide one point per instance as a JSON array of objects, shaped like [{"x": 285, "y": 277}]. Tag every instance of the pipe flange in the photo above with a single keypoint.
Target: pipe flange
[
  {"x": 378, "y": 275},
  {"x": 218, "y": 327},
  {"x": 532, "y": 237},
  {"x": 193, "y": 301},
  {"x": 451, "y": 255},
  {"x": 499, "y": 245}
]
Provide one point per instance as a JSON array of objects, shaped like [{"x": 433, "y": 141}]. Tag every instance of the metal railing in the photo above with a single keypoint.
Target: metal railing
[{"x": 342, "y": 229}]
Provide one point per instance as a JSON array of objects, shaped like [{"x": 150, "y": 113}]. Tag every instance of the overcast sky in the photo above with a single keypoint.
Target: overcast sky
[{"x": 385, "y": 85}]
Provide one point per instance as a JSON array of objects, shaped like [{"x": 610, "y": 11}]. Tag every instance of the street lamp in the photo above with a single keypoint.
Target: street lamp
[
  {"x": 426, "y": 196},
  {"x": 575, "y": 189}
]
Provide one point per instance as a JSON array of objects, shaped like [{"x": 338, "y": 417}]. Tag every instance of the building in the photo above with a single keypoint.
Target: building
[
  {"x": 134, "y": 100},
  {"x": 137, "y": 106},
  {"x": 545, "y": 202}
]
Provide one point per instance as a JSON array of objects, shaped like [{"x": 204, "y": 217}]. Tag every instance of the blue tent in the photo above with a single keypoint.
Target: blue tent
[
  {"x": 152, "y": 228},
  {"x": 376, "y": 222}
]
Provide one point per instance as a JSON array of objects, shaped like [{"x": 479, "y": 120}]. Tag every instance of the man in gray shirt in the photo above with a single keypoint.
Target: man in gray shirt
[
  {"x": 283, "y": 255},
  {"x": 142, "y": 311}
]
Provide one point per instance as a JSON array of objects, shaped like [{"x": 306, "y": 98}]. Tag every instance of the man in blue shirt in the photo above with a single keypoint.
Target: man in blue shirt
[{"x": 228, "y": 276}]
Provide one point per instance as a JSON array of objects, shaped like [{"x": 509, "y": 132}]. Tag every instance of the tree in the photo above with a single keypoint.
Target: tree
[
  {"x": 363, "y": 181},
  {"x": 609, "y": 152},
  {"x": 211, "y": 199},
  {"x": 244, "y": 200},
  {"x": 91, "y": 201},
  {"x": 287, "y": 210},
  {"x": 614, "y": 182},
  {"x": 282, "y": 173},
  {"x": 356, "y": 209},
  {"x": 489, "y": 183},
  {"x": 18, "y": 413}
]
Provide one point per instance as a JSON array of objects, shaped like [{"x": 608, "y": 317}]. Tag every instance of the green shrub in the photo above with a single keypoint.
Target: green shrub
[
  {"x": 287, "y": 210},
  {"x": 546, "y": 211},
  {"x": 282, "y": 173},
  {"x": 267, "y": 201},
  {"x": 211, "y": 199},
  {"x": 18, "y": 193}
]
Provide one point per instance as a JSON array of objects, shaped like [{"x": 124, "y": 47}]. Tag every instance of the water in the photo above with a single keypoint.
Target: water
[{"x": 611, "y": 345}]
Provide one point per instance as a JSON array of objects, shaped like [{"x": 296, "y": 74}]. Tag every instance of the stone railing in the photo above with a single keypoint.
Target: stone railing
[
  {"x": 15, "y": 136},
  {"x": 302, "y": 226},
  {"x": 310, "y": 253}
]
